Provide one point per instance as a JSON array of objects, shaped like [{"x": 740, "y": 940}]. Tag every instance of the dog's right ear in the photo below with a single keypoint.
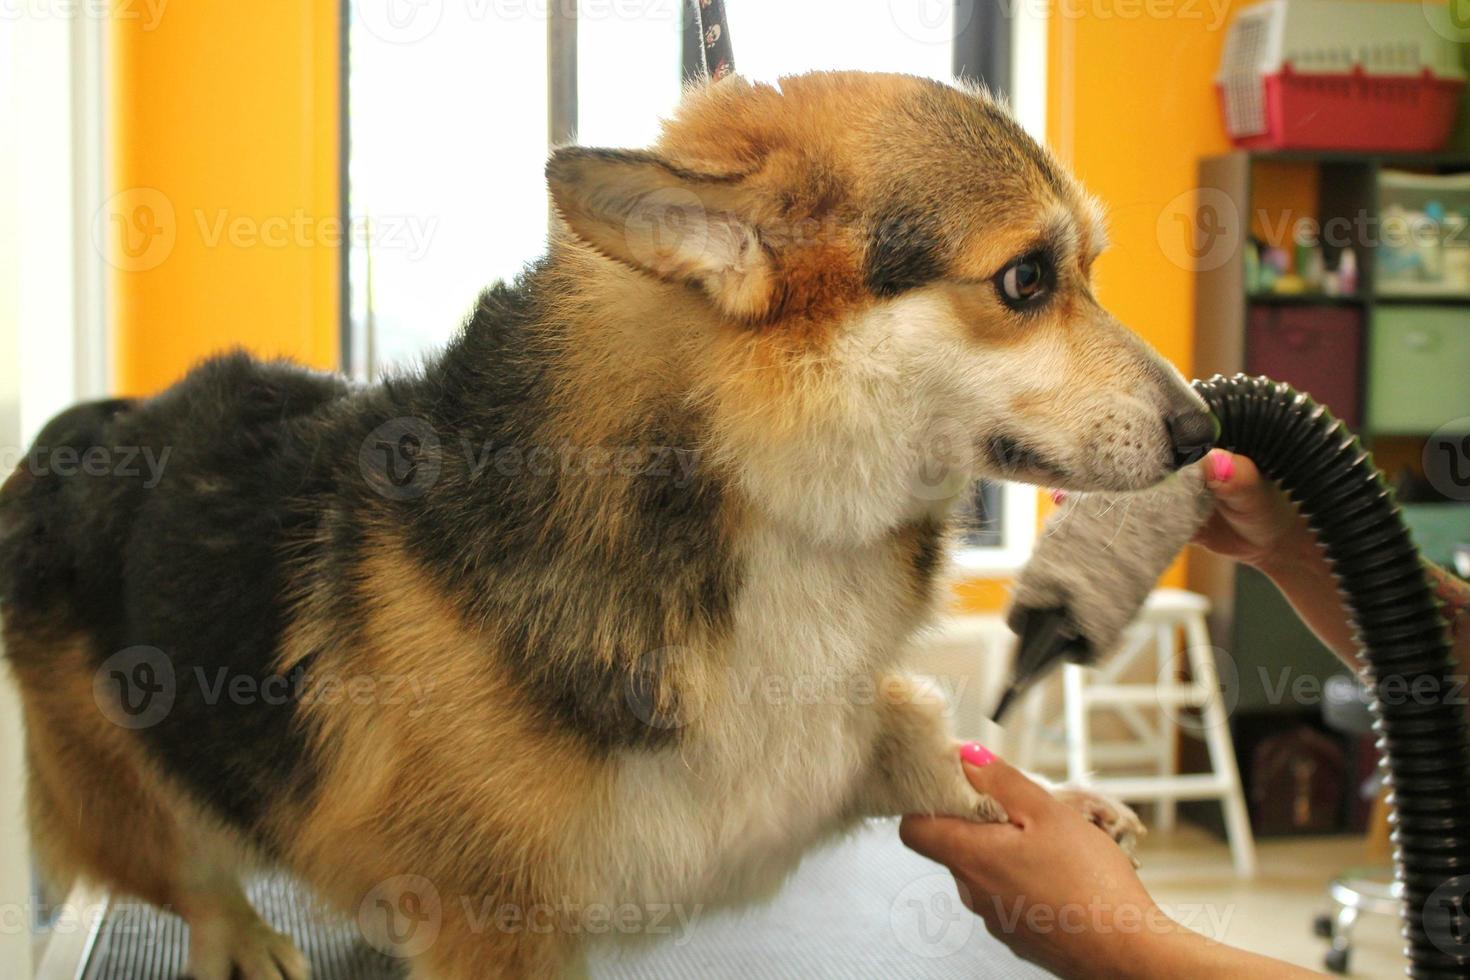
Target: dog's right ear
[{"x": 673, "y": 223}]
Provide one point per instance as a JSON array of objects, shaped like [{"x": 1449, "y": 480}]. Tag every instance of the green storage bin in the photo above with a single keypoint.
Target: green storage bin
[
  {"x": 1438, "y": 528},
  {"x": 1418, "y": 368}
]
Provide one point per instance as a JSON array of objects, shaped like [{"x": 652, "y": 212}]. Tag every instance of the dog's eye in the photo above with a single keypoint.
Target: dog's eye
[{"x": 1024, "y": 280}]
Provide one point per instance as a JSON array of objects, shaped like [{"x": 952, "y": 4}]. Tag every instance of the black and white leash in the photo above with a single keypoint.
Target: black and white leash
[{"x": 714, "y": 39}]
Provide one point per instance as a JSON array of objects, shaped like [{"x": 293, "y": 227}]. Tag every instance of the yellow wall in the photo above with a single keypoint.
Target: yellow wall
[
  {"x": 224, "y": 178},
  {"x": 1132, "y": 109}
]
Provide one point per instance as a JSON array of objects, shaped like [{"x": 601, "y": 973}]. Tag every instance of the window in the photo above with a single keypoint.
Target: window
[{"x": 449, "y": 106}]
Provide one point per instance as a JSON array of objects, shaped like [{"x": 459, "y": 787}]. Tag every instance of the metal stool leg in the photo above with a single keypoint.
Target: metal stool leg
[{"x": 1342, "y": 939}]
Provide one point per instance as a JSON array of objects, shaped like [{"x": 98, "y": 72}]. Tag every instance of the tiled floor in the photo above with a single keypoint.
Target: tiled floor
[{"x": 1189, "y": 873}]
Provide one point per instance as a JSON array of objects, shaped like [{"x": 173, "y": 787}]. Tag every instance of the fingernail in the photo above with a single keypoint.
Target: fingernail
[
  {"x": 1220, "y": 468},
  {"x": 976, "y": 755},
  {"x": 1057, "y": 496}
]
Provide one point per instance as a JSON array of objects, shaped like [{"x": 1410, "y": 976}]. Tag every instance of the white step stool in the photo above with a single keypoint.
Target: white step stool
[{"x": 1166, "y": 613}]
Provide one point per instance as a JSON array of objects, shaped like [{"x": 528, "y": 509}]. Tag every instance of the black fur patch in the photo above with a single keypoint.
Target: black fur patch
[
  {"x": 589, "y": 619},
  {"x": 905, "y": 250},
  {"x": 928, "y": 554},
  {"x": 184, "y": 556}
]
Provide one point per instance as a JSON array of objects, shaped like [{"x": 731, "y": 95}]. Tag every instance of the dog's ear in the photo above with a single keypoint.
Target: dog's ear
[{"x": 678, "y": 225}]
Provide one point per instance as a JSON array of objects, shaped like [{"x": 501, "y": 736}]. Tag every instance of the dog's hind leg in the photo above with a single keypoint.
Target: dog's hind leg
[{"x": 99, "y": 811}]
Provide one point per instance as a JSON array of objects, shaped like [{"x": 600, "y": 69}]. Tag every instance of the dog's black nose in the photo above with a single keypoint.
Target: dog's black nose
[{"x": 1192, "y": 434}]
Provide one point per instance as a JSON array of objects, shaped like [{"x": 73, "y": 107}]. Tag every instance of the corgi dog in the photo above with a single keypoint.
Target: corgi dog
[{"x": 519, "y": 629}]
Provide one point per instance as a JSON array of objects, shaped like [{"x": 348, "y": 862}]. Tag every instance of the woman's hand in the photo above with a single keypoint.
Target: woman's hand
[
  {"x": 1057, "y": 890},
  {"x": 1049, "y": 884},
  {"x": 1253, "y": 522}
]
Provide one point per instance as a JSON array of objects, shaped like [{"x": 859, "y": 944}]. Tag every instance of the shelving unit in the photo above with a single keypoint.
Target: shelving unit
[{"x": 1334, "y": 348}]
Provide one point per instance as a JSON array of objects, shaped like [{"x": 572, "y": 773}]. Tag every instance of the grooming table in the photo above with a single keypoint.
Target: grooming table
[{"x": 866, "y": 907}]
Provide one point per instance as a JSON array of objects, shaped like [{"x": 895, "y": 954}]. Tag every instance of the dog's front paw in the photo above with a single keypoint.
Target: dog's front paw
[
  {"x": 985, "y": 808},
  {"x": 1114, "y": 817}
]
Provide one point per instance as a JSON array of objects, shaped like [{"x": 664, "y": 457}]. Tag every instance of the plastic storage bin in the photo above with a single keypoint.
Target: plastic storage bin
[
  {"x": 1321, "y": 74},
  {"x": 1418, "y": 368},
  {"x": 1424, "y": 235},
  {"x": 1316, "y": 349}
]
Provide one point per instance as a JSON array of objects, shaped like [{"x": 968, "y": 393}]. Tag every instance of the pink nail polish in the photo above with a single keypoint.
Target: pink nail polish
[
  {"x": 1221, "y": 467},
  {"x": 1057, "y": 496},
  {"x": 976, "y": 754}
]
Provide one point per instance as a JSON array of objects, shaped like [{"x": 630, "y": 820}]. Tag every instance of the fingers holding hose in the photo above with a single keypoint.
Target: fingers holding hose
[{"x": 1252, "y": 519}]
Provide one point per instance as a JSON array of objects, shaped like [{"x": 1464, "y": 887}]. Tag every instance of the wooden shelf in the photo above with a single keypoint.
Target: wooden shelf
[
  {"x": 1452, "y": 161},
  {"x": 1461, "y": 300},
  {"x": 1303, "y": 299}
]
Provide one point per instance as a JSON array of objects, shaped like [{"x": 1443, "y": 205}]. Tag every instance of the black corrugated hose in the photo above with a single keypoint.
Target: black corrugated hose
[{"x": 1404, "y": 648}]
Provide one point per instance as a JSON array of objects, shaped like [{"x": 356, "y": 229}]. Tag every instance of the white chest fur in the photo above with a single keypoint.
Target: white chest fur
[{"x": 773, "y": 750}]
